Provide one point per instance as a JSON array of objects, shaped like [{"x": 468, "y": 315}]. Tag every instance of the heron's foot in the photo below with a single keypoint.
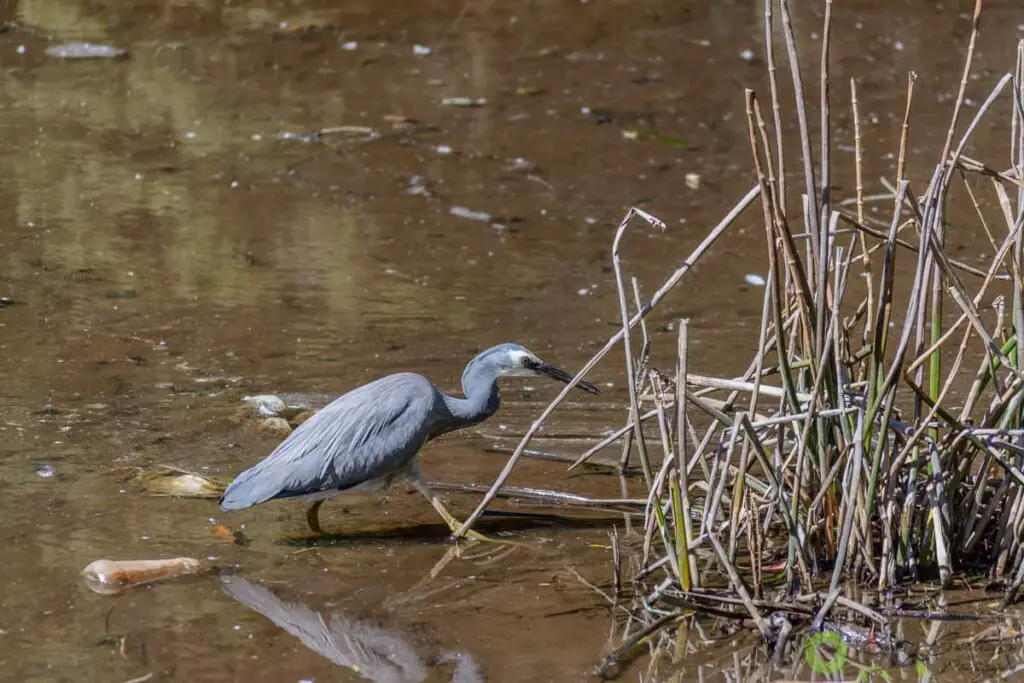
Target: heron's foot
[
  {"x": 455, "y": 525},
  {"x": 313, "y": 518},
  {"x": 473, "y": 535}
]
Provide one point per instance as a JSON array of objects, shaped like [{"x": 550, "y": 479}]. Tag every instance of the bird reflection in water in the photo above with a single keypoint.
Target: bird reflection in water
[{"x": 374, "y": 653}]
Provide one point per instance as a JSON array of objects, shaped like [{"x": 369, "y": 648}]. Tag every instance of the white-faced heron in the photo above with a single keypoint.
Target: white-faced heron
[{"x": 368, "y": 439}]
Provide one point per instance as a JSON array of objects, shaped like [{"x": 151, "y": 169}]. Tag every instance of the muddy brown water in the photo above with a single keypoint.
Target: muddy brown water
[{"x": 172, "y": 239}]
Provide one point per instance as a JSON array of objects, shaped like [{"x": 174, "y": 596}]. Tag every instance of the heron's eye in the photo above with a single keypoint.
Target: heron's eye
[{"x": 525, "y": 362}]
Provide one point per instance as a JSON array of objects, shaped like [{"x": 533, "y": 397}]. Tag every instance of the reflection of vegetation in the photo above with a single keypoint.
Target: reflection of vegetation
[
  {"x": 708, "y": 649},
  {"x": 132, "y": 172}
]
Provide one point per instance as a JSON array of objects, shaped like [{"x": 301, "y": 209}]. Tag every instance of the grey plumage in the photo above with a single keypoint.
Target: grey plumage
[
  {"x": 375, "y": 653},
  {"x": 368, "y": 438}
]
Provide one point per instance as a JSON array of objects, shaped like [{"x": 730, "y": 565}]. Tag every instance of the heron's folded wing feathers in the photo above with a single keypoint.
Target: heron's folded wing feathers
[{"x": 360, "y": 436}]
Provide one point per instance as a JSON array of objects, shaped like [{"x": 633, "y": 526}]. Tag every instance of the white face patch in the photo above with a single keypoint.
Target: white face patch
[{"x": 517, "y": 369}]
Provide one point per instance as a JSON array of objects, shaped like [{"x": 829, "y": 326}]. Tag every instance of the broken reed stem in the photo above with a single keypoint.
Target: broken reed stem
[
  {"x": 631, "y": 381},
  {"x": 665, "y": 288}
]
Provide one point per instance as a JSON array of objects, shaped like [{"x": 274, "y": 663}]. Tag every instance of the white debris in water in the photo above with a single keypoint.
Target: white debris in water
[
  {"x": 463, "y": 212},
  {"x": 350, "y": 45},
  {"x": 464, "y": 102},
  {"x": 20, "y": 49},
  {"x": 898, "y": 45},
  {"x": 753, "y": 279},
  {"x": 421, "y": 50},
  {"x": 256, "y": 136},
  {"x": 265, "y": 404},
  {"x": 747, "y": 55},
  {"x": 693, "y": 180},
  {"x": 45, "y": 471},
  {"x": 583, "y": 292},
  {"x": 84, "y": 51},
  {"x": 444, "y": 149}
]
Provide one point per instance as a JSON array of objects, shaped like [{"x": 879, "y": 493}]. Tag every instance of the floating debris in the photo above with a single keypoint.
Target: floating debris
[
  {"x": 469, "y": 214},
  {"x": 529, "y": 91},
  {"x": 351, "y": 132},
  {"x": 418, "y": 187},
  {"x": 266, "y": 404},
  {"x": 85, "y": 51},
  {"x": 754, "y": 279},
  {"x": 747, "y": 55},
  {"x": 287, "y": 406},
  {"x": 350, "y": 46},
  {"x": 645, "y": 134},
  {"x": 364, "y": 133},
  {"x": 225, "y": 534},
  {"x": 444, "y": 149},
  {"x": 693, "y": 181},
  {"x": 598, "y": 116},
  {"x": 45, "y": 471},
  {"x": 110, "y": 577},
  {"x": 464, "y": 102},
  {"x": 166, "y": 480},
  {"x": 421, "y": 50}
]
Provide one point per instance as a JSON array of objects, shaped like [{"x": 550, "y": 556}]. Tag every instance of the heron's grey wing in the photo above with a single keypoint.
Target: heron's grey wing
[
  {"x": 367, "y": 433},
  {"x": 374, "y": 652}
]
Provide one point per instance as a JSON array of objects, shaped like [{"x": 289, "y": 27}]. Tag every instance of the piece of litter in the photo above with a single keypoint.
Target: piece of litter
[
  {"x": 266, "y": 405},
  {"x": 463, "y": 212},
  {"x": 350, "y": 45},
  {"x": 464, "y": 101},
  {"x": 747, "y": 55},
  {"x": 421, "y": 50},
  {"x": 753, "y": 279},
  {"x": 85, "y": 51},
  {"x": 693, "y": 180},
  {"x": 20, "y": 49},
  {"x": 444, "y": 149},
  {"x": 45, "y": 471}
]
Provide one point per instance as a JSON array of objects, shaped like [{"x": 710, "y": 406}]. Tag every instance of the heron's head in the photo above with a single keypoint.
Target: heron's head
[{"x": 513, "y": 360}]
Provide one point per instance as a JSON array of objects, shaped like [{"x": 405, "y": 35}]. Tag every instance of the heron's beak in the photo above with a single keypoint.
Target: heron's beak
[{"x": 563, "y": 376}]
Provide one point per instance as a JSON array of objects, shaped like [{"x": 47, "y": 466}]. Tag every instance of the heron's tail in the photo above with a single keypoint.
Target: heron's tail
[{"x": 247, "y": 490}]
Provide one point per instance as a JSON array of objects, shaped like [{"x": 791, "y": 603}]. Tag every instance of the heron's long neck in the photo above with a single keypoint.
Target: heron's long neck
[{"x": 482, "y": 399}]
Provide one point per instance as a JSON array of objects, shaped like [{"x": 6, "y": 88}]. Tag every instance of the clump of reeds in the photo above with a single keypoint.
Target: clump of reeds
[{"x": 839, "y": 458}]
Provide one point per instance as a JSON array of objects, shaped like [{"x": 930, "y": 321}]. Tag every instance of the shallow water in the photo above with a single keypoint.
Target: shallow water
[{"x": 174, "y": 239}]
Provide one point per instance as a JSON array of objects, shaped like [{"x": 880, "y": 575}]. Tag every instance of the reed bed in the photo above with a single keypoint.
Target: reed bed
[{"x": 875, "y": 438}]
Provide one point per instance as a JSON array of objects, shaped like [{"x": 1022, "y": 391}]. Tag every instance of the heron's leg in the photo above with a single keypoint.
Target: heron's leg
[
  {"x": 449, "y": 519},
  {"x": 313, "y": 517}
]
